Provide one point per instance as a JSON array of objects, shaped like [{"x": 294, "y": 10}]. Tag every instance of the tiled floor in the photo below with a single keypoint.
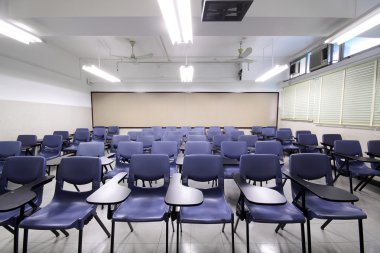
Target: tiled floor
[{"x": 339, "y": 236}]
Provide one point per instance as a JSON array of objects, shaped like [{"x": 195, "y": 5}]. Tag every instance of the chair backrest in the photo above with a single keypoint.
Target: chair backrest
[
  {"x": 149, "y": 167},
  {"x": 307, "y": 139},
  {"x": 169, "y": 148},
  {"x": 229, "y": 129},
  {"x": 113, "y": 130},
  {"x": 94, "y": 149},
  {"x": 249, "y": 139},
  {"x": 286, "y": 129},
  {"x": 214, "y": 129},
  {"x": 27, "y": 139},
  {"x": 99, "y": 134},
  {"x": 81, "y": 135},
  {"x": 184, "y": 130},
  {"x": 235, "y": 134},
  {"x": 270, "y": 147},
  {"x": 134, "y": 134},
  {"x": 197, "y": 147},
  {"x": 171, "y": 128},
  {"x": 348, "y": 147},
  {"x": 203, "y": 168},
  {"x": 9, "y": 148},
  {"x": 23, "y": 170},
  {"x": 211, "y": 133},
  {"x": 197, "y": 138},
  {"x": 65, "y": 134},
  {"x": 173, "y": 137},
  {"x": 283, "y": 134},
  {"x": 331, "y": 138},
  {"x": 374, "y": 147},
  {"x": 126, "y": 149},
  {"x": 77, "y": 170},
  {"x": 310, "y": 167},
  {"x": 256, "y": 129},
  {"x": 261, "y": 167},
  {"x": 233, "y": 149},
  {"x": 195, "y": 132},
  {"x": 268, "y": 131},
  {"x": 218, "y": 139},
  {"x": 116, "y": 139},
  {"x": 302, "y": 132},
  {"x": 51, "y": 144},
  {"x": 147, "y": 140}
]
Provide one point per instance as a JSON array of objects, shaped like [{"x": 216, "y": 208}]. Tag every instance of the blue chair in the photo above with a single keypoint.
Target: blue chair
[
  {"x": 195, "y": 132},
  {"x": 147, "y": 141},
  {"x": 214, "y": 129},
  {"x": 259, "y": 168},
  {"x": 173, "y": 136},
  {"x": 94, "y": 149},
  {"x": 374, "y": 148},
  {"x": 115, "y": 141},
  {"x": 214, "y": 209},
  {"x": 112, "y": 130},
  {"x": 145, "y": 204},
  {"x": 356, "y": 168},
  {"x": 232, "y": 150},
  {"x": 20, "y": 170},
  {"x": 68, "y": 209},
  {"x": 286, "y": 139},
  {"x": 80, "y": 135},
  {"x": 134, "y": 134},
  {"x": 213, "y": 132},
  {"x": 308, "y": 139},
  {"x": 197, "y": 147},
  {"x": 289, "y": 130},
  {"x": 168, "y": 148},
  {"x": 65, "y": 137},
  {"x": 217, "y": 142},
  {"x": 197, "y": 138},
  {"x": 124, "y": 154},
  {"x": 99, "y": 134},
  {"x": 256, "y": 130},
  {"x": 51, "y": 146},
  {"x": 184, "y": 130},
  {"x": 149, "y": 131},
  {"x": 171, "y": 128},
  {"x": 235, "y": 134},
  {"x": 250, "y": 140},
  {"x": 268, "y": 133},
  {"x": 328, "y": 143},
  {"x": 313, "y": 167},
  {"x": 229, "y": 129},
  {"x": 7, "y": 149},
  {"x": 28, "y": 144},
  {"x": 302, "y": 132}
]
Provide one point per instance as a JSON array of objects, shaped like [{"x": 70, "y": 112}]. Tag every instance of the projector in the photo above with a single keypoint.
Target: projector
[{"x": 224, "y": 10}]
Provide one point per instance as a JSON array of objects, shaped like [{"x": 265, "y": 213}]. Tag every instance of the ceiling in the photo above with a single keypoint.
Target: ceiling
[{"x": 90, "y": 30}]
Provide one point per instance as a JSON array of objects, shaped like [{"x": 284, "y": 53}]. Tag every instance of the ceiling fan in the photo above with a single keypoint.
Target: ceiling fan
[
  {"x": 133, "y": 58},
  {"x": 243, "y": 54}
]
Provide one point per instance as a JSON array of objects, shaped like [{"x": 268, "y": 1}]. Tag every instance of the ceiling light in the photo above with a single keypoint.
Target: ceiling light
[
  {"x": 363, "y": 24},
  {"x": 16, "y": 33},
  {"x": 187, "y": 72},
  {"x": 177, "y": 17},
  {"x": 271, "y": 73},
  {"x": 101, "y": 73}
]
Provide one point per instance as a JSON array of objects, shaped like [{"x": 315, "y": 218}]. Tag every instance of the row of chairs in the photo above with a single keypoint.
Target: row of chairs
[{"x": 69, "y": 209}]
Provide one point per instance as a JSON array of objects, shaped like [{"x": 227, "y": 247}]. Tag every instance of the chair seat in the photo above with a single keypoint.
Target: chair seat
[
  {"x": 49, "y": 156},
  {"x": 229, "y": 170},
  {"x": 289, "y": 147},
  {"x": 286, "y": 213},
  {"x": 114, "y": 172},
  {"x": 323, "y": 209},
  {"x": 214, "y": 209},
  {"x": 72, "y": 148},
  {"x": 143, "y": 205},
  {"x": 363, "y": 170},
  {"x": 64, "y": 215},
  {"x": 8, "y": 218}
]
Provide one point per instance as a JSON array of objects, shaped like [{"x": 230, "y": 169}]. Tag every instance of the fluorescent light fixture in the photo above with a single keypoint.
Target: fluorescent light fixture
[
  {"x": 101, "y": 73},
  {"x": 177, "y": 17},
  {"x": 16, "y": 33},
  {"x": 363, "y": 24},
  {"x": 187, "y": 73},
  {"x": 271, "y": 73}
]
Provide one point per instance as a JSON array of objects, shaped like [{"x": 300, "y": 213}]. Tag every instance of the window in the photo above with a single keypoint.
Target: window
[
  {"x": 331, "y": 98},
  {"x": 358, "y": 44}
]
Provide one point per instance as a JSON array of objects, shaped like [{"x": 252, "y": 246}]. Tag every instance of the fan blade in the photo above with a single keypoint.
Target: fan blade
[
  {"x": 145, "y": 56},
  {"x": 246, "y": 52}
]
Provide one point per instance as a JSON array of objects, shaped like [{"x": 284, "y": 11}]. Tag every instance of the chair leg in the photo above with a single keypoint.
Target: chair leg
[
  {"x": 55, "y": 232},
  {"x": 278, "y": 227},
  {"x": 112, "y": 235},
  {"x": 11, "y": 230},
  {"x": 360, "y": 183},
  {"x": 180, "y": 224},
  {"x": 76, "y": 187},
  {"x": 173, "y": 226},
  {"x": 130, "y": 226},
  {"x": 64, "y": 232},
  {"x": 178, "y": 234},
  {"x": 308, "y": 235},
  {"x": 25, "y": 242},
  {"x": 303, "y": 238},
  {"x": 167, "y": 235},
  {"x": 15, "y": 240},
  {"x": 224, "y": 224},
  {"x": 361, "y": 237},
  {"x": 233, "y": 235},
  {"x": 236, "y": 224},
  {"x": 365, "y": 184},
  {"x": 80, "y": 241},
  {"x": 102, "y": 225},
  {"x": 247, "y": 234},
  {"x": 325, "y": 224}
]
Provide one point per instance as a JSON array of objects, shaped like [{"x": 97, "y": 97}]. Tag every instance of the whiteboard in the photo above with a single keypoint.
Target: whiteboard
[{"x": 135, "y": 110}]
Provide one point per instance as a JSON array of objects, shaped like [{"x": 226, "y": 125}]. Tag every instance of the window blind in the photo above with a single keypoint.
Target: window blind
[
  {"x": 288, "y": 102},
  {"x": 314, "y": 98},
  {"x": 376, "y": 108},
  {"x": 302, "y": 101}
]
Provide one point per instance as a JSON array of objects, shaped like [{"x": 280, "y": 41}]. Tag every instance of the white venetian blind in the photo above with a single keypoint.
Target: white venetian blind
[
  {"x": 314, "y": 98},
  {"x": 376, "y": 112},
  {"x": 357, "y": 96},
  {"x": 288, "y": 101},
  {"x": 302, "y": 101},
  {"x": 331, "y": 95}
]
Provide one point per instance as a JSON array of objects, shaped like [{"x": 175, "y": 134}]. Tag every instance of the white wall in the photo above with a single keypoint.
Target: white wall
[{"x": 40, "y": 91}]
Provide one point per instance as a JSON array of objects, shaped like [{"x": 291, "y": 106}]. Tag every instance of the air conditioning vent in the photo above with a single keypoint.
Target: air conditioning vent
[{"x": 224, "y": 10}]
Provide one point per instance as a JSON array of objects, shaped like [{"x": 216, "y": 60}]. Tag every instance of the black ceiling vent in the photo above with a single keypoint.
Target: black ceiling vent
[{"x": 224, "y": 10}]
